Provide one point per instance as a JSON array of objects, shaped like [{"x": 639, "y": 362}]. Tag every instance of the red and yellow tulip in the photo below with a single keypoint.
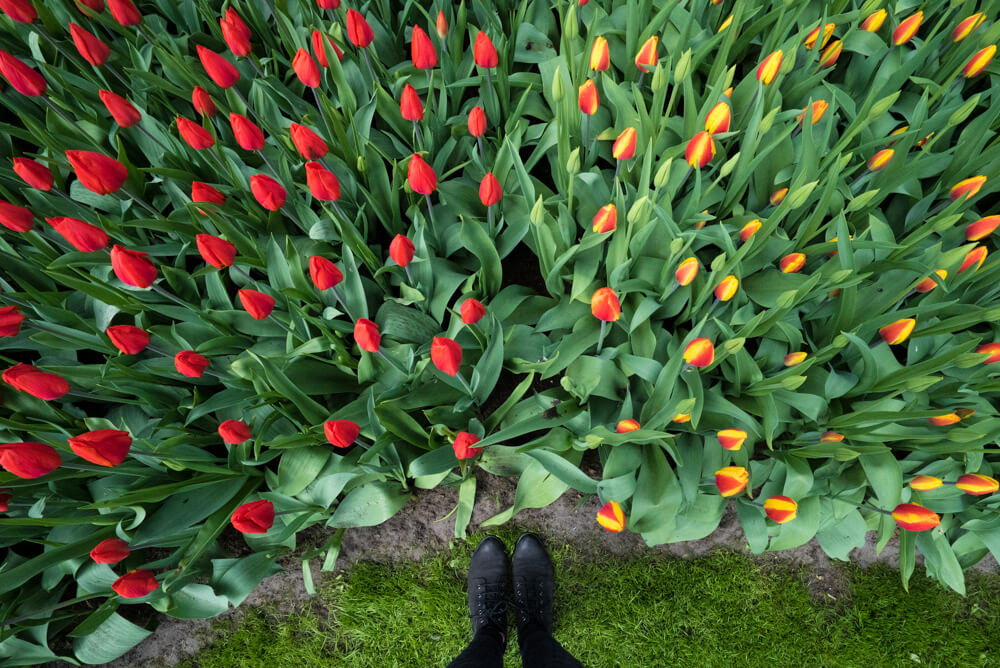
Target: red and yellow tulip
[
  {"x": 925, "y": 483},
  {"x": 914, "y": 517},
  {"x": 967, "y": 188},
  {"x": 646, "y": 57},
  {"x": 831, "y": 54},
  {"x": 686, "y": 271},
  {"x": 796, "y": 358},
  {"x": 810, "y": 40},
  {"x": 979, "y": 61},
  {"x": 611, "y": 517},
  {"x": 727, "y": 287},
  {"x": 732, "y": 439},
  {"x": 982, "y": 228},
  {"x": 831, "y": 437},
  {"x": 604, "y": 305},
  {"x": 749, "y": 230},
  {"x": 896, "y": 332},
  {"x": 606, "y": 219},
  {"x": 778, "y": 196},
  {"x": 976, "y": 257},
  {"x": 769, "y": 67},
  {"x": 880, "y": 159},
  {"x": 700, "y": 150},
  {"x": 718, "y": 119},
  {"x": 977, "y": 484},
  {"x": 600, "y": 58},
  {"x": 682, "y": 417},
  {"x": 731, "y": 480},
  {"x": 792, "y": 263},
  {"x": 929, "y": 283},
  {"x": 907, "y": 28},
  {"x": 699, "y": 353},
  {"x": 780, "y": 509},
  {"x": 624, "y": 146},
  {"x": 627, "y": 425},
  {"x": 944, "y": 420},
  {"x": 991, "y": 349},
  {"x": 588, "y": 98},
  {"x": 967, "y": 26},
  {"x": 819, "y": 108},
  {"x": 873, "y": 22}
]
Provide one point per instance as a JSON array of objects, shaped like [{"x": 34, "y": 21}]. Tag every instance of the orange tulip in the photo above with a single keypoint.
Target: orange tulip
[
  {"x": 907, "y": 28},
  {"x": 606, "y": 219},
  {"x": 929, "y": 283},
  {"x": 624, "y": 147},
  {"x": 727, "y": 287},
  {"x": 731, "y": 439},
  {"x": 627, "y": 425},
  {"x": 731, "y": 480},
  {"x": 967, "y": 188},
  {"x": 600, "y": 58},
  {"x": 700, "y": 150},
  {"x": 699, "y": 353},
  {"x": 781, "y": 509},
  {"x": 611, "y": 517},
  {"x": 605, "y": 306},
  {"x": 991, "y": 349},
  {"x": 441, "y": 25},
  {"x": 749, "y": 230},
  {"x": 796, "y": 358},
  {"x": 769, "y": 67},
  {"x": 880, "y": 159},
  {"x": 647, "y": 54},
  {"x": 925, "y": 483},
  {"x": 682, "y": 417},
  {"x": 913, "y": 517},
  {"x": 588, "y": 98},
  {"x": 813, "y": 35},
  {"x": 718, "y": 119},
  {"x": 977, "y": 484},
  {"x": 967, "y": 26},
  {"x": 778, "y": 196},
  {"x": 831, "y": 54},
  {"x": 792, "y": 263},
  {"x": 686, "y": 271},
  {"x": 979, "y": 61},
  {"x": 874, "y": 21},
  {"x": 819, "y": 108},
  {"x": 944, "y": 420},
  {"x": 982, "y": 228},
  {"x": 831, "y": 437},
  {"x": 976, "y": 257},
  {"x": 897, "y": 332}
]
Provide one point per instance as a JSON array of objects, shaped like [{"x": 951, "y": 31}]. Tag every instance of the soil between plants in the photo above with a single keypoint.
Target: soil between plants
[{"x": 426, "y": 526}]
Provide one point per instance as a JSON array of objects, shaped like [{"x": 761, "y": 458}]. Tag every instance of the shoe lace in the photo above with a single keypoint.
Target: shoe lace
[
  {"x": 492, "y": 598},
  {"x": 529, "y": 601}
]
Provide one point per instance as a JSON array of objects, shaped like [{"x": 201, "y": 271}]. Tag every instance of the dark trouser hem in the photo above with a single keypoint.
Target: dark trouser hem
[
  {"x": 540, "y": 650},
  {"x": 485, "y": 651}
]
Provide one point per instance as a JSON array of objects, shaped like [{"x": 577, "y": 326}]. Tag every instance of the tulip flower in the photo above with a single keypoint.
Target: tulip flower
[
  {"x": 306, "y": 68},
  {"x": 967, "y": 26},
  {"x": 991, "y": 349},
  {"x": 979, "y": 61},
  {"x": 977, "y": 484},
  {"x": 732, "y": 439},
  {"x": 323, "y": 183},
  {"x": 606, "y": 219},
  {"x": 483, "y": 51},
  {"x": 611, "y": 517},
  {"x": 32, "y": 380},
  {"x": 944, "y": 420},
  {"x": 104, "y": 447},
  {"x": 401, "y": 250},
  {"x": 913, "y": 517},
  {"x": 600, "y": 58},
  {"x": 792, "y": 263},
  {"x": 831, "y": 54},
  {"x": 128, "y": 339},
  {"x": 624, "y": 146},
  {"x": 132, "y": 267},
  {"x": 976, "y": 257},
  {"x": 341, "y": 433},
  {"x": 319, "y": 44},
  {"x": 410, "y": 106},
  {"x": 22, "y": 78},
  {"x": 727, "y": 287},
  {"x": 191, "y": 364},
  {"x": 477, "y": 122},
  {"x": 441, "y": 25},
  {"x": 929, "y": 283},
  {"x": 699, "y": 353},
  {"x": 324, "y": 273},
  {"x": 682, "y": 417},
  {"x": 422, "y": 51},
  {"x": 97, "y": 172},
  {"x": 202, "y": 102},
  {"x": 907, "y": 28},
  {"x": 5, "y": 498},
  {"x": 925, "y": 483},
  {"x": 124, "y": 12},
  {"x": 749, "y": 230},
  {"x": 463, "y": 445},
  {"x": 254, "y": 517},
  {"x": 627, "y": 425},
  {"x": 982, "y": 228},
  {"x": 268, "y": 192},
  {"x": 234, "y": 432},
  {"x": 831, "y": 437},
  {"x": 421, "y": 176},
  {"x": 490, "y": 191},
  {"x": 367, "y": 335},
  {"x": 34, "y": 173},
  {"x": 196, "y": 136},
  {"x": 813, "y": 35},
  {"x": 819, "y": 108},
  {"x": 967, "y": 188},
  {"x": 725, "y": 24},
  {"x": 880, "y": 159},
  {"x": 81, "y": 235},
  {"x": 359, "y": 33},
  {"x": 718, "y": 120},
  {"x": 769, "y": 67},
  {"x": 15, "y": 218},
  {"x": 328, "y": 4},
  {"x": 873, "y": 22},
  {"x": 605, "y": 306},
  {"x": 10, "y": 321},
  {"x": 472, "y": 311},
  {"x": 588, "y": 98},
  {"x": 202, "y": 192},
  {"x": 91, "y": 49},
  {"x": 110, "y": 551},
  {"x": 309, "y": 144},
  {"x": 646, "y": 56},
  {"x": 137, "y": 583},
  {"x": 686, "y": 271},
  {"x": 236, "y": 33},
  {"x": 731, "y": 480},
  {"x": 898, "y": 331},
  {"x": 19, "y": 11},
  {"x": 780, "y": 509},
  {"x": 446, "y": 355},
  {"x": 215, "y": 251},
  {"x": 29, "y": 460},
  {"x": 120, "y": 109},
  {"x": 796, "y": 358},
  {"x": 220, "y": 70},
  {"x": 248, "y": 135},
  {"x": 256, "y": 303},
  {"x": 700, "y": 150},
  {"x": 778, "y": 196}
]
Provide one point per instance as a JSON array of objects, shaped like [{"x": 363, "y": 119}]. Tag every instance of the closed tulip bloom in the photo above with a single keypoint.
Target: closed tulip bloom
[
  {"x": 463, "y": 445},
  {"x": 234, "y": 432},
  {"x": 215, "y": 251},
  {"x": 104, "y": 447},
  {"x": 718, "y": 119},
  {"x": 401, "y": 250},
  {"x": 913, "y": 517},
  {"x": 699, "y": 353},
  {"x": 627, "y": 425},
  {"x": 202, "y": 192},
  {"x": 29, "y": 460},
  {"x": 925, "y": 483},
  {"x": 819, "y": 108},
  {"x": 202, "y": 101},
  {"x": 725, "y": 24},
  {"x": 248, "y": 135},
  {"x": 472, "y": 311},
  {"x": 600, "y": 57},
  {"x": 97, "y": 172},
  {"x": 778, "y": 196},
  {"x": 477, "y": 122},
  {"x": 749, "y": 230},
  {"x": 124, "y": 12},
  {"x": 490, "y": 191},
  {"x": 880, "y": 159},
  {"x": 731, "y": 480},
  {"x": 120, "y": 109},
  {"x": 309, "y": 144},
  {"x": 991, "y": 349},
  {"x": 254, "y": 517},
  {"x": 421, "y": 176},
  {"x": 221, "y": 71},
  {"x": 982, "y": 228},
  {"x": 137, "y": 583},
  {"x": 441, "y": 25},
  {"x": 191, "y": 364},
  {"x": 410, "y": 106},
  {"x": 792, "y": 263},
  {"x": 127, "y": 338},
  {"x": 367, "y": 335},
  {"x": 5, "y": 498},
  {"x": 874, "y": 21},
  {"x": 358, "y": 31},
  {"x": 588, "y": 98},
  {"x": 769, "y": 67},
  {"x": 977, "y": 484},
  {"x": 341, "y": 433},
  {"x": 646, "y": 57},
  {"x": 624, "y": 146},
  {"x": 686, "y": 271},
  {"x": 110, "y": 551},
  {"x": 132, "y": 267},
  {"x": 236, "y": 33},
  {"x": 256, "y": 303},
  {"x": 81, "y": 235},
  {"x": 446, "y": 355},
  {"x": 944, "y": 420},
  {"x": 323, "y": 183},
  {"x": 732, "y": 439},
  {"x": 422, "y": 51},
  {"x": 15, "y": 218},
  {"x": 813, "y": 35},
  {"x": 974, "y": 258},
  {"x": 32, "y": 380},
  {"x": 269, "y": 193},
  {"x": 194, "y": 134},
  {"x": 328, "y": 4},
  {"x": 483, "y": 51},
  {"x": 22, "y": 78},
  {"x": 604, "y": 305},
  {"x": 929, "y": 283},
  {"x": 796, "y": 358},
  {"x": 606, "y": 219},
  {"x": 10, "y": 321},
  {"x": 831, "y": 437},
  {"x": 319, "y": 44},
  {"x": 324, "y": 274},
  {"x": 611, "y": 517},
  {"x": 780, "y": 509},
  {"x": 93, "y": 50},
  {"x": 979, "y": 61},
  {"x": 831, "y": 54},
  {"x": 306, "y": 68},
  {"x": 967, "y": 26},
  {"x": 681, "y": 418},
  {"x": 897, "y": 332},
  {"x": 34, "y": 173},
  {"x": 700, "y": 150},
  {"x": 907, "y": 28},
  {"x": 19, "y": 11},
  {"x": 727, "y": 287},
  {"x": 967, "y": 188}
]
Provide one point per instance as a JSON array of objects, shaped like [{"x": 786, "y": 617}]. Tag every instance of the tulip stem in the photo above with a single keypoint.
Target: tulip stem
[
  {"x": 409, "y": 276},
  {"x": 465, "y": 384},
  {"x": 642, "y": 75},
  {"x": 268, "y": 163},
  {"x": 416, "y": 137},
  {"x": 140, "y": 201},
  {"x": 368, "y": 61},
  {"x": 600, "y": 338},
  {"x": 246, "y": 103},
  {"x": 489, "y": 216},
  {"x": 479, "y": 140},
  {"x": 586, "y": 131},
  {"x": 157, "y": 141},
  {"x": 70, "y": 121},
  {"x": 430, "y": 209},
  {"x": 343, "y": 304},
  {"x": 256, "y": 68},
  {"x": 160, "y": 291},
  {"x": 120, "y": 78}
]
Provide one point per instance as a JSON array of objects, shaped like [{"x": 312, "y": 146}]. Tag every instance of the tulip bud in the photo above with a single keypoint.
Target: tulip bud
[
  {"x": 490, "y": 191},
  {"x": 749, "y": 230},
  {"x": 831, "y": 437},
  {"x": 682, "y": 417},
  {"x": 421, "y": 176},
  {"x": 234, "y": 432},
  {"x": 898, "y": 331},
  {"x": 81, "y": 235},
  {"x": 778, "y": 196},
  {"x": 202, "y": 102},
  {"x": 811, "y": 38},
  {"x": 236, "y": 33},
  {"x": 97, "y": 172},
  {"x": 967, "y": 188},
  {"x": 319, "y": 44},
  {"x": 796, "y": 358},
  {"x": 976, "y": 257},
  {"x": 913, "y": 517},
  {"x": 254, "y": 517},
  {"x": 410, "y": 105},
  {"x": 699, "y": 353},
  {"x": 483, "y": 51},
  {"x": 686, "y": 271},
  {"x": 10, "y": 321},
  {"x": 646, "y": 56},
  {"x": 441, "y": 25},
  {"x": 604, "y": 305},
  {"x": 341, "y": 433},
  {"x": 929, "y": 284},
  {"x": 202, "y": 192},
  {"x": 422, "y": 51},
  {"x": 462, "y": 445},
  {"x": 700, "y": 150},
  {"x": 792, "y": 263},
  {"x": 323, "y": 183},
  {"x": 401, "y": 250},
  {"x": 128, "y": 339},
  {"x": 124, "y": 12},
  {"x": 991, "y": 349},
  {"x": 588, "y": 98},
  {"x": 132, "y": 267},
  {"x": 982, "y": 228},
  {"x": 19, "y": 11},
  {"x": 120, "y": 109},
  {"x": 718, "y": 119},
  {"x": 925, "y": 483},
  {"x": 880, "y": 159},
  {"x": 104, "y": 447},
  {"x": 472, "y": 311},
  {"x": 195, "y": 135},
  {"x": 137, "y": 583},
  {"x": 215, "y": 251},
  {"x": 874, "y": 21},
  {"x": 446, "y": 355},
  {"x": 22, "y": 78},
  {"x": 731, "y": 480},
  {"x": 328, "y": 4},
  {"x": 606, "y": 219},
  {"x": 725, "y": 24},
  {"x": 944, "y": 420},
  {"x": 477, "y": 122},
  {"x": 557, "y": 84},
  {"x": 769, "y": 67},
  {"x": 727, "y": 287},
  {"x": 32, "y": 380},
  {"x": 269, "y": 193},
  {"x": 819, "y": 108},
  {"x": 780, "y": 509},
  {"x": 831, "y": 54},
  {"x": 359, "y": 32},
  {"x": 967, "y": 26},
  {"x": 257, "y": 304},
  {"x": 191, "y": 364},
  {"x": 324, "y": 273},
  {"x": 367, "y": 335},
  {"x": 91, "y": 49},
  {"x": 309, "y": 144},
  {"x": 221, "y": 71},
  {"x": 627, "y": 425},
  {"x": 15, "y": 218},
  {"x": 979, "y": 61},
  {"x": 977, "y": 484},
  {"x": 29, "y": 460},
  {"x": 611, "y": 517},
  {"x": 600, "y": 58},
  {"x": 34, "y": 173},
  {"x": 907, "y": 28},
  {"x": 624, "y": 146},
  {"x": 110, "y": 551},
  {"x": 306, "y": 68},
  {"x": 248, "y": 135},
  {"x": 732, "y": 439}
]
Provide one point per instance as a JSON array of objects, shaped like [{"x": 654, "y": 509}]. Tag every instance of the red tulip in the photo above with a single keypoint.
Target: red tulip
[
  {"x": 462, "y": 445},
  {"x": 422, "y": 51},
  {"x": 191, "y": 364},
  {"x": 446, "y": 355},
  {"x": 138, "y": 583},
  {"x": 22, "y": 78},
  {"x": 257, "y": 304},
  {"x": 29, "y": 460},
  {"x": 410, "y": 105},
  {"x": 19, "y": 11},
  {"x": 699, "y": 353},
  {"x": 324, "y": 273},
  {"x": 489, "y": 190},
  {"x": 221, "y": 71},
  {"x": 319, "y": 49},
  {"x": 236, "y": 33},
  {"x": 401, "y": 250},
  {"x": 93, "y": 50},
  {"x": 132, "y": 267},
  {"x": 341, "y": 433},
  {"x": 367, "y": 335},
  {"x": 309, "y": 144},
  {"x": 913, "y": 517},
  {"x": 10, "y": 321},
  {"x": 128, "y": 339},
  {"x": 32, "y": 380},
  {"x": 110, "y": 551},
  {"x": 604, "y": 305},
  {"x": 421, "y": 176},
  {"x": 124, "y": 12},
  {"x": 94, "y": 5},
  {"x": 248, "y": 135},
  {"x": 611, "y": 517},
  {"x": 120, "y": 109},
  {"x": 81, "y": 235},
  {"x": 268, "y": 192},
  {"x": 104, "y": 447},
  {"x": 483, "y": 51},
  {"x": 306, "y": 68},
  {"x": 97, "y": 172},
  {"x": 477, "y": 122},
  {"x": 254, "y": 517},
  {"x": 202, "y": 192},
  {"x": 215, "y": 251},
  {"x": 929, "y": 283},
  {"x": 34, "y": 173},
  {"x": 323, "y": 183},
  {"x": 202, "y": 102},
  {"x": 472, "y": 311},
  {"x": 234, "y": 432},
  {"x": 328, "y": 4},
  {"x": 15, "y": 218},
  {"x": 358, "y": 31}
]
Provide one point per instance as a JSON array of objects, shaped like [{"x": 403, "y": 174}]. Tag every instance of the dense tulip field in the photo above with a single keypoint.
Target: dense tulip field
[{"x": 273, "y": 265}]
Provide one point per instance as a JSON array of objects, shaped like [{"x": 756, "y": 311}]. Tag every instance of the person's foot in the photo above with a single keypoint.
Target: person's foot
[
  {"x": 487, "y": 582},
  {"x": 534, "y": 584}
]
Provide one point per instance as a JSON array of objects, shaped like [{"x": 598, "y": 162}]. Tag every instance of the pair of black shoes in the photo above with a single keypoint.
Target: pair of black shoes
[{"x": 533, "y": 580}]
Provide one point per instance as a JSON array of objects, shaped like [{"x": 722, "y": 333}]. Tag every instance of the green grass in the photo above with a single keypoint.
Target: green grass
[{"x": 722, "y": 610}]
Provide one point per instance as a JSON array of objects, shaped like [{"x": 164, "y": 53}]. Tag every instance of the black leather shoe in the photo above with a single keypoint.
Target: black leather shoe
[
  {"x": 487, "y": 582},
  {"x": 534, "y": 584}
]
